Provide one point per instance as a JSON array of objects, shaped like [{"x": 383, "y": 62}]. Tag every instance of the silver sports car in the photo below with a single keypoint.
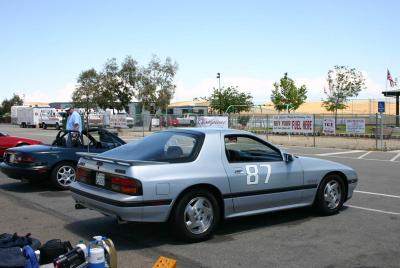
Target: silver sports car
[{"x": 196, "y": 177}]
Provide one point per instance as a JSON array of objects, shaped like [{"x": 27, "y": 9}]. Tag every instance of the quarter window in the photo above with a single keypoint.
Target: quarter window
[{"x": 249, "y": 149}]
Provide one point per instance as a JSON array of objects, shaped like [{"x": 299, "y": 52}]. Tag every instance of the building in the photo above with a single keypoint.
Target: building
[{"x": 189, "y": 107}]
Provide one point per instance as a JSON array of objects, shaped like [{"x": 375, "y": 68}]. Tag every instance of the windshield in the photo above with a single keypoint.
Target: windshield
[
  {"x": 168, "y": 146},
  {"x": 3, "y": 134}
]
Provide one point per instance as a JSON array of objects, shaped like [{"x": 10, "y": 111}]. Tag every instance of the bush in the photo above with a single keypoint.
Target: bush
[{"x": 243, "y": 120}]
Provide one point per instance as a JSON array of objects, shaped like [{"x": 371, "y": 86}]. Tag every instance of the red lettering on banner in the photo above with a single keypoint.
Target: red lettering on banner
[
  {"x": 296, "y": 125},
  {"x": 307, "y": 125}
]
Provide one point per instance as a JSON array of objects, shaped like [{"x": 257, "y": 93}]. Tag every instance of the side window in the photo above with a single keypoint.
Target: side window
[
  {"x": 105, "y": 140},
  {"x": 179, "y": 146},
  {"x": 248, "y": 149}
]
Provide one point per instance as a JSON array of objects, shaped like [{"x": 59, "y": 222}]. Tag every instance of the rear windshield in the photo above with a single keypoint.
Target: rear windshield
[{"x": 168, "y": 146}]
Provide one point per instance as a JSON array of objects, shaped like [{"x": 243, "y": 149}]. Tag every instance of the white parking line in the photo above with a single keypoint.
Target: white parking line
[
  {"x": 347, "y": 157},
  {"x": 394, "y": 158},
  {"x": 379, "y": 194},
  {"x": 362, "y": 156},
  {"x": 345, "y": 152},
  {"x": 374, "y": 210}
]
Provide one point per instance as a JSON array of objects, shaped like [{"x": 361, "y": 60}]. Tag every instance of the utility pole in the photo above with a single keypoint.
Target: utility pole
[{"x": 219, "y": 92}]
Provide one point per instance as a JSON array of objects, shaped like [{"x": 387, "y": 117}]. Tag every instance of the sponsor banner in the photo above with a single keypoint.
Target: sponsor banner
[
  {"x": 96, "y": 119},
  {"x": 328, "y": 126},
  {"x": 155, "y": 122},
  {"x": 293, "y": 123},
  {"x": 212, "y": 121},
  {"x": 118, "y": 121},
  {"x": 355, "y": 125}
]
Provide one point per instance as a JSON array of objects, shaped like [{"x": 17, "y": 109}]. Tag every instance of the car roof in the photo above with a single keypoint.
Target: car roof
[{"x": 211, "y": 130}]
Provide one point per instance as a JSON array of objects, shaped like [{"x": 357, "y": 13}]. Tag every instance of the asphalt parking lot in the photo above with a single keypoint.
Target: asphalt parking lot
[{"x": 366, "y": 233}]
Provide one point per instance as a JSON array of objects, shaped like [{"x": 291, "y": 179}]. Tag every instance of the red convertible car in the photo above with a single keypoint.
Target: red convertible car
[{"x": 7, "y": 141}]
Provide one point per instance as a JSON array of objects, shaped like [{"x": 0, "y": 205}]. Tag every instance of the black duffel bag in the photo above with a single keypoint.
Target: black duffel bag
[{"x": 50, "y": 250}]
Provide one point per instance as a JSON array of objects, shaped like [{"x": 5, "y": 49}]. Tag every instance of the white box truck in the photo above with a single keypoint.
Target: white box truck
[{"x": 49, "y": 117}]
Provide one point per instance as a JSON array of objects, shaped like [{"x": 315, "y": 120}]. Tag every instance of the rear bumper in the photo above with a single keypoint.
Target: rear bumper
[
  {"x": 25, "y": 173},
  {"x": 127, "y": 208}
]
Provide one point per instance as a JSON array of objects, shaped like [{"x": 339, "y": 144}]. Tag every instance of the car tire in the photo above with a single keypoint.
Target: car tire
[
  {"x": 44, "y": 126},
  {"x": 330, "y": 196},
  {"x": 63, "y": 174},
  {"x": 198, "y": 206}
]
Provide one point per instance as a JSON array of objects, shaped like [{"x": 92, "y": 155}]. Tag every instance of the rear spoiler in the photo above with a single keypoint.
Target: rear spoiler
[{"x": 95, "y": 157}]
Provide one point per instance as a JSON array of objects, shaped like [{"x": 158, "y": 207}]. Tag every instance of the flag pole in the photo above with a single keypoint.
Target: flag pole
[{"x": 387, "y": 71}]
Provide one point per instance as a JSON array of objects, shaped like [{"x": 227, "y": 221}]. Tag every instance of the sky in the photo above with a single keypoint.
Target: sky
[{"x": 44, "y": 45}]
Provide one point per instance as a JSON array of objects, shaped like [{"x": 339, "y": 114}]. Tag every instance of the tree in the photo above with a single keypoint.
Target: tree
[
  {"x": 118, "y": 85},
  {"x": 286, "y": 96},
  {"x": 129, "y": 76},
  {"x": 86, "y": 94},
  {"x": 343, "y": 83},
  {"x": 109, "y": 84},
  {"x": 156, "y": 87},
  {"x": 6, "y": 104},
  {"x": 230, "y": 97}
]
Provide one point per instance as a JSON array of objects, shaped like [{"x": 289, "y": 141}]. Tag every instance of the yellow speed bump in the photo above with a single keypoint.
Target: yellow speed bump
[{"x": 164, "y": 262}]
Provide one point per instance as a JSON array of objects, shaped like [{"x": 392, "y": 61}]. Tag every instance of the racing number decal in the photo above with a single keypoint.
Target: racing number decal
[{"x": 252, "y": 173}]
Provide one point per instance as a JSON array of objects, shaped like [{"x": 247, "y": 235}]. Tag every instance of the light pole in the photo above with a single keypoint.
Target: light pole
[{"x": 219, "y": 92}]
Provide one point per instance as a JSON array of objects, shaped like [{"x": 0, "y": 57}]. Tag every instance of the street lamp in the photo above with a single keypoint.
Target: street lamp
[{"x": 219, "y": 92}]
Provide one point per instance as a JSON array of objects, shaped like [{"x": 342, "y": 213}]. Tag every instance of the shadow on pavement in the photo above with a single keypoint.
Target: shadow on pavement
[
  {"x": 25, "y": 187},
  {"x": 136, "y": 236}
]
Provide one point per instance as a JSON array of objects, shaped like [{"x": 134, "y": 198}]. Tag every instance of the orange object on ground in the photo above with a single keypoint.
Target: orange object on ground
[{"x": 164, "y": 262}]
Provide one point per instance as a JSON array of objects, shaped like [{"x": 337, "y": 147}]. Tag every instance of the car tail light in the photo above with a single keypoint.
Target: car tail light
[
  {"x": 82, "y": 175},
  {"x": 126, "y": 185}
]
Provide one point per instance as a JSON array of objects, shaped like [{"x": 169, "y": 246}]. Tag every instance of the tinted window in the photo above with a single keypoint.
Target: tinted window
[
  {"x": 248, "y": 149},
  {"x": 165, "y": 146}
]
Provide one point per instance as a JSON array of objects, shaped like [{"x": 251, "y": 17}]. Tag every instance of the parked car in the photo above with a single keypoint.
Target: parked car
[
  {"x": 56, "y": 162},
  {"x": 7, "y": 141},
  {"x": 194, "y": 177},
  {"x": 186, "y": 120}
]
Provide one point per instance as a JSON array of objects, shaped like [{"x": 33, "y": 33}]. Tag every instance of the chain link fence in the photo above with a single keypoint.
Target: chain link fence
[{"x": 366, "y": 135}]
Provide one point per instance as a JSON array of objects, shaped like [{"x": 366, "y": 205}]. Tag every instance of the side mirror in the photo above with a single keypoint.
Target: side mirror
[{"x": 287, "y": 157}]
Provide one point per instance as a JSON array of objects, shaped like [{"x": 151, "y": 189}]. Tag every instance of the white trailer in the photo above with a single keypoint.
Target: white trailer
[
  {"x": 30, "y": 116},
  {"x": 14, "y": 113}
]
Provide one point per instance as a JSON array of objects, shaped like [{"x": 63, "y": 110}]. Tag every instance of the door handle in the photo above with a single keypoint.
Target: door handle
[{"x": 239, "y": 171}]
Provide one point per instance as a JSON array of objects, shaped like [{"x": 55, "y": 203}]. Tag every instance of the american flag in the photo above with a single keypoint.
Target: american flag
[{"x": 390, "y": 79}]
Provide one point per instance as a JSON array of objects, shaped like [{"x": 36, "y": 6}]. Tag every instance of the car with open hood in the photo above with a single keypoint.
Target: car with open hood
[{"x": 56, "y": 162}]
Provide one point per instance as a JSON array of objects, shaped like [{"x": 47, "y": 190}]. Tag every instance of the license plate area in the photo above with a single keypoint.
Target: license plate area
[{"x": 100, "y": 179}]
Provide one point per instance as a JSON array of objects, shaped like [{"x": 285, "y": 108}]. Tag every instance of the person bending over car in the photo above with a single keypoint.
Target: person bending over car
[{"x": 74, "y": 123}]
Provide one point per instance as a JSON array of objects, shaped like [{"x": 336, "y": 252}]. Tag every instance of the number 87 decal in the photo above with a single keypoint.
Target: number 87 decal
[{"x": 252, "y": 173}]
